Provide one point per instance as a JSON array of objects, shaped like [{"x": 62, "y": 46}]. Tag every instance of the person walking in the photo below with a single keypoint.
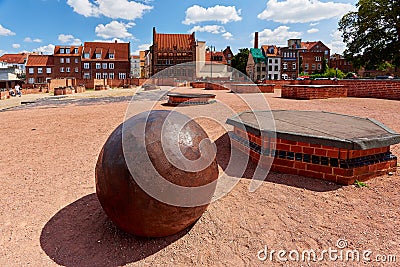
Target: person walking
[{"x": 17, "y": 91}]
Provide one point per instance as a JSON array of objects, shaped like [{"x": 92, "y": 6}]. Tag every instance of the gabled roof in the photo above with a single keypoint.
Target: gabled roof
[
  {"x": 171, "y": 41},
  {"x": 72, "y": 48},
  {"x": 216, "y": 54},
  {"x": 13, "y": 58},
  {"x": 257, "y": 55},
  {"x": 311, "y": 45},
  {"x": 40, "y": 61},
  {"x": 121, "y": 51},
  {"x": 267, "y": 50}
]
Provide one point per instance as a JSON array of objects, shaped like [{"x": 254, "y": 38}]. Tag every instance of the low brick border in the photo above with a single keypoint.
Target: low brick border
[
  {"x": 252, "y": 88},
  {"x": 342, "y": 166},
  {"x": 308, "y": 92},
  {"x": 190, "y": 99}
]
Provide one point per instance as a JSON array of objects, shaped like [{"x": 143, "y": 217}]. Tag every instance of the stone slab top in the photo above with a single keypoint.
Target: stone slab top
[
  {"x": 313, "y": 85},
  {"x": 317, "y": 127},
  {"x": 191, "y": 95}
]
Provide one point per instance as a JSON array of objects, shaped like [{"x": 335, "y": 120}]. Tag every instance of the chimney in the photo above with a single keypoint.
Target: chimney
[{"x": 256, "y": 40}]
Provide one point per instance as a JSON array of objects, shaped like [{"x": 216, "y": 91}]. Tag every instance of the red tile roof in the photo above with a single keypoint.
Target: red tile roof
[
  {"x": 57, "y": 50},
  {"x": 121, "y": 51},
  {"x": 266, "y": 49},
  {"x": 216, "y": 54},
  {"x": 40, "y": 60},
  {"x": 169, "y": 41},
  {"x": 13, "y": 58}
]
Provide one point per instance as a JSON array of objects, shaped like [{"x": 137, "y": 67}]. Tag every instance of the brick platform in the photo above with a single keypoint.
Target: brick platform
[
  {"x": 313, "y": 91},
  {"x": 190, "y": 99},
  {"x": 252, "y": 88},
  {"x": 317, "y": 156},
  {"x": 4, "y": 95}
]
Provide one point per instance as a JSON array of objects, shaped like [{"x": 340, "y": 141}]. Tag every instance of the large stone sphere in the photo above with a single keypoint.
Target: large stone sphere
[{"x": 156, "y": 173}]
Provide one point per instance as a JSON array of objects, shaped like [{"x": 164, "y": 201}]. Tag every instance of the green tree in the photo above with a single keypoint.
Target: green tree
[
  {"x": 239, "y": 61},
  {"x": 372, "y": 34}
]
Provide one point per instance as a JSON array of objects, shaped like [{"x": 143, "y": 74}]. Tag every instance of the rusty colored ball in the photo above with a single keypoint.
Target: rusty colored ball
[{"x": 136, "y": 160}]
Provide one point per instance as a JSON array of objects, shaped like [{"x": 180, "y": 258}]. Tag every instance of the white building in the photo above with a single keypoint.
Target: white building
[{"x": 135, "y": 66}]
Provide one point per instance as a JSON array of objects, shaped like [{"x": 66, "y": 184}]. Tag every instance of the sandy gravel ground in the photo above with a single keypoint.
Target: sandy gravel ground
[{"x": 50, "y": 216}]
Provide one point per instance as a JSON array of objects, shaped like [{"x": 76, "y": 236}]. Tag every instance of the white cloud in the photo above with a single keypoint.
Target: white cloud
[
  {"x": 215, "y": 29},
  {"x": 302, "y": 11},
  {"x": 70, "y": 39},
  {"x": 313, "y": 30},
  {"x": 141, "y": 47},
  {"x": 223, "y": 14},
  {"x": 30, "y": 40},
  {"x": 114, "y": 29},
  {"x": 228, "y": 36},
  {"x": 16, "y": 46},
  {"x": 278, "y": 36},
  {"x": 122, "y": 9},
  {"x": 336, "y": 45},
  {"x": 5, "y": 32},
  {"x": 314, "y": 24},
  {"x": 47, "y": 49}
]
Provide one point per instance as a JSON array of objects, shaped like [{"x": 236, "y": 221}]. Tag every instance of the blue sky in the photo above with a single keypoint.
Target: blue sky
[{"x": 38, "y": 25}]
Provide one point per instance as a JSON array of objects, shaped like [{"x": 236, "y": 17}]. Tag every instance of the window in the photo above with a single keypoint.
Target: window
[
  {"x": 67, "y": 51},
  {"x": 40, "y": 70},
  {"x": 270, "y": 61},
  {"x": 62, "y": 60},
  {"x": 318, "y": 59},
  {"x": 275, "y": 76},
  {"x": 318, "y": 66},
  {"x": 76, "y": 69},
  {"x": 76, "y": 60},
  {"x": 285, "y": 65},
  {"x": 270, "y": 68},
  {"x": 98, "y": 55},
  {"x": 121, "y": 76},
  {"x": 86, "y": 55},
  {"x": 98, "y": 75},
  {"x": 61, "y": 50},
  {"x": 67, "y": 60},
  {"x": 306, "y": 66},
  {"x": 48, "y": 70},
  {"x": 98, "y": 65},
  {"x": 326, "y": 52},
  {"x": 111, "y": 66},
  {"x": 75, "y": 50},
  {"x": 31, "y": 70},
  {"x": 313, "y": 66},
  {"x": 105, "y": 75},
  {"x": 105, "y": 66},
  {"x": 31, "y": 80},
  {"x": 276, "y": 68},
  {"x": 294, "y": 66},
  {"x": 111, "y": 56},
  {"x": 258, "y": 68},
  {"x": 86, "y": 66},
  {"x": 263, "y": 68},
  {"x": 276, "y": 62},
  {"x": 86, "y": 75},
  {"x": 111, "y": 75},
  {"x": 62, "y": 69},
  {"x": 68, "y": 69}
]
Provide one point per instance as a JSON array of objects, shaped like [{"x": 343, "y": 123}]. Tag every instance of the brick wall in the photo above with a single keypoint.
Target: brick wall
[
  {"x": 384, "y": 89},
  {"x": 334, "y": 164},
  {"x": 252, "y": 88},
  {"x": 313, "y": 92}
]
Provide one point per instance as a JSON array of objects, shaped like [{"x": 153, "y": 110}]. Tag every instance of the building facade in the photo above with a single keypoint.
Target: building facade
[
  {"x": 135, "y": 66},
  {"x": 256, "y": 67},
  {"x": 313, "y": 57},
  {"x": 338, "y": 62},
  {"x": 14, "y": 61},
  {"x": 67, "y": 62},
  {"x": 169, "y": 50},
  {"x": 102, "y": 60},
  {"x": 39, "y": 69},
  {"x": 271, "y": 52}
]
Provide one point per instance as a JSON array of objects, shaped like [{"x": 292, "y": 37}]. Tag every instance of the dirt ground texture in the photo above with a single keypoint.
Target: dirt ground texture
[{"x": 50, "y": 215}]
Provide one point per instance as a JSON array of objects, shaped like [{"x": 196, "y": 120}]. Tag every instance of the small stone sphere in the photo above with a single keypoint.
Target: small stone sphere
[{"x": 143, "y": 154}]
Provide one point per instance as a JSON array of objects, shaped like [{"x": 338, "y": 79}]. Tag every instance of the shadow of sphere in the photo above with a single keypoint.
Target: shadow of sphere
[{"x": 80, "y": 234}]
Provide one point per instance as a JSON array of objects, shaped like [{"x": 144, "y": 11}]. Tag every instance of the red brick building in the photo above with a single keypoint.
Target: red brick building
[
  {"x": 171, "y": 49},
  {"x": 220, "y": 57},
  {"x": 313, "y": 55},
  {"x": 339, "y": 62},
  {"x": 67, "y": 62},
  {"x": 39, "y": 68},
  {"x": 101, "y": 60}
]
